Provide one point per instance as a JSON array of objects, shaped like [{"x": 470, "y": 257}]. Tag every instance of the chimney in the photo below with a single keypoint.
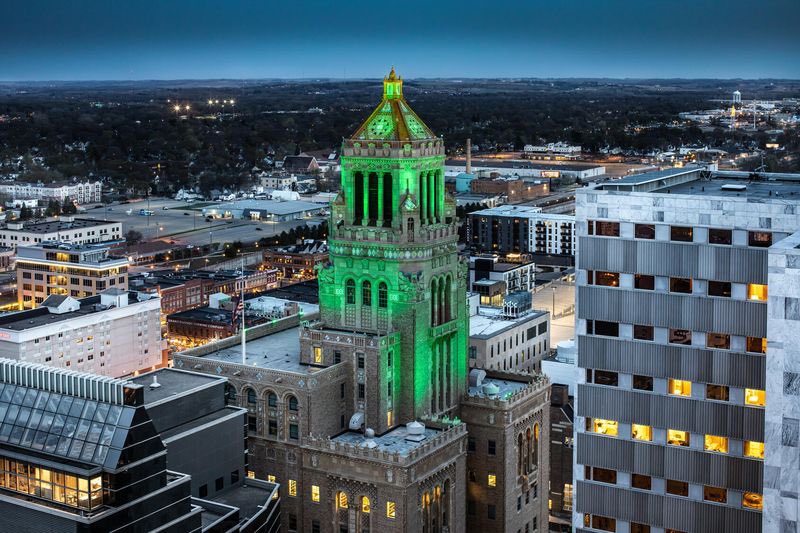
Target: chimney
[{"x": 469, "y": 156}]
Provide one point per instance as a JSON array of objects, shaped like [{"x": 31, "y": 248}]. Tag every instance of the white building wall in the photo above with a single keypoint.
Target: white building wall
[{"x": 116, "y": 342}]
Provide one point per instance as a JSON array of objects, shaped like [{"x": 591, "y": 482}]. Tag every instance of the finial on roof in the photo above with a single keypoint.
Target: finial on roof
[{"x": 392, "y": 75}]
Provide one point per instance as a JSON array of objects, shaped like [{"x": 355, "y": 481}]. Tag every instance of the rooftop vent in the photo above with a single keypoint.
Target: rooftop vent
[
  {"x": 415, "y": 431},
  {"x": 369, "y": 436},
  {"x": 733, "y": 187},
  {"x": 490, "y": 389},
  {"x": 155, "y": 384}
]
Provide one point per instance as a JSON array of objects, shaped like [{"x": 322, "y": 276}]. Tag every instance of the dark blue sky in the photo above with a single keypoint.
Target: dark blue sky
[{"x": 172, "y": 39}]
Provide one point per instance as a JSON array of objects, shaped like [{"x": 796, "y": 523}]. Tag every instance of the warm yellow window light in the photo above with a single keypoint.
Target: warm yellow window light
[
  {"x": 317, "y": 355},
  {"x": 677, "y": 437},
  {"x": 753, "y": 448},
  {"x": 715, "y": 443},
  {"x": 680, "y": 387},
  {"x": 292, "y": 487},
  {"x": 341, "y": 500},
  {"x": 315, "y": 493},
  {"x": 755, "y": 397},
  {"x": 752, "y": 500},
  {"x": 641, "y": 432},
  {"x": 492, "y": 480},
  {"x": 757, "y": 292},
  {"x": 271, "y": 479},
  {"x": 365, "y": 505},
  {"x": 390, "y": 510},
  {"x": 605, "y": 427}
]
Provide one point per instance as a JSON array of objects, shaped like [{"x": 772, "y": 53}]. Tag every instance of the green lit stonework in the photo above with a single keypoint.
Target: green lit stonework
[{"x": 393, "y": 226}]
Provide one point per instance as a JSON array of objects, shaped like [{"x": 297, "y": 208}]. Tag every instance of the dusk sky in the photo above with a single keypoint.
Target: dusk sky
[{"x": 177, "y": 39}]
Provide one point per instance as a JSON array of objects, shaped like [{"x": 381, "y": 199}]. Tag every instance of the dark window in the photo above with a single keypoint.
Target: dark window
[
  {"x": 292, "y": 522},
  {"x": 608, "y": 329},
  {"x": 492, "y": 447},
  {"x": 678, "y": 488},
  {"x": 471, "y": 507},
  {"x": 251, "y": 423},
  {"x": 639, "y": 528},
  {"x": 683, "y": 285},
  {"x": 273, "y": 428},
  {"x": 383, "y": 295},
  {"x": 341, "y": 390},
  {"x": 643, "y": 281},
  {"x": 718, "y": 340},
  {"x": 606, "y": 229},
  {"x": 680, "y": 336},
  {"x": 542, "y": 328},
  {"x": 642, "y": 382},
  {"x": 602, "y": 377},
  {"x": 519, "y": 503},
  {"x": 761, "y": 239},
  {"x": 219, "y": 484},
  {"x": 490, "y": 512},
  {"x": 366, "y": 293},
  {"x": 315, "y": 526},
  {"x": 717, "y": 392},
  {"x": 643, "y": 333},
  {"x": 715, "y": 494},
  {"x": 272, "y": 399},
  {"x": 756, "y": 345},
  {"x": 645, "y": 231},
  {"x": 471, "y": 444},
  {"x": 203, "y": 491},
  {"x": 292, "y": 403},
  {"x": 606, "y": 279},
  {"x": 604, "y": 475},
  {"x": 640, "y": 481},
  {"x": 680, "y": 233},
  {"x": 350, "y": 291},
  {"x": 294, "y": 432},
  {"x": 337, "y": 357},
  {"x": 361, "y": 391},
  {"x": 720, "y": 236},
  {"x": 603, "y": 522},
  {"x": 719, "y": 288},
  {"x": 360, "y": 360}
]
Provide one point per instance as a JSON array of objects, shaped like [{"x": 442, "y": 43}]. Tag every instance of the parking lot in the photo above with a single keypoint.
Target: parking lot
[{"x": 184, "y": 223}]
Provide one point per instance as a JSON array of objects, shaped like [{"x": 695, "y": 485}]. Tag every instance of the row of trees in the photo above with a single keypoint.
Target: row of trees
[{"x": 53, "y": 209}]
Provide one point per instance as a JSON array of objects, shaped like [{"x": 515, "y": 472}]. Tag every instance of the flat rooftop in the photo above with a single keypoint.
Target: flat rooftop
[
  {"x": 207, "y": 314},
  {"x": 271, "y": 206},
  {"x": 173, "y": 383},
  {"x": 249, "y": 497},
  {"x": 767, "y": 190},
  {"x": 41, "y": 316},
  {"x": 490, "y": 321},
  {"x": 520, "y": 164},
  {"x": 505, "y": 388},
  {"x": 278, "y": 351},
  {"x": 266, "y": 303},
  {"x": 393, "y": 441},
  {"x": 510, "y": 211},
  {"x": 60, "y": 225}
]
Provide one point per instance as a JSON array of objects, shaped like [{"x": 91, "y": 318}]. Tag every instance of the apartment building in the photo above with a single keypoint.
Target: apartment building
[
  {"x": 676, "y": 273},
  {"x": 64, "y": 229},
  {"x": 81, "y": 192},
  {"x": 116, "y": 333},
  {"x": 66, "y": 269}
]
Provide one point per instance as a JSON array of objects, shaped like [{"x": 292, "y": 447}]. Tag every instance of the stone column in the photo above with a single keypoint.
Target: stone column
[
  {"x": 379, "y": 223},
  {"x": 431, "y": 198},
  {"x": 365, "y": 188}
]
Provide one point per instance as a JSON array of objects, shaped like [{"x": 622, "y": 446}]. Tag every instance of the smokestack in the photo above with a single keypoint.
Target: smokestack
[{"x": 469, "y": 156}]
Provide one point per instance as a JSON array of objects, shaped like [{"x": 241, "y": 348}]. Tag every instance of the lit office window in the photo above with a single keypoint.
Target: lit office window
[
  {"x": 677, "y": 437},
  {"x": 390, "y": 510},
  {"x": 715, "y": 443},
  {"x": 365, "y": 505},
  {"x": 271, "y": 479},
  {"x": 752, "y": 500},
  {"x": 491, "y": 480},
  {"x": 757, "y": 292},
  {"x": 754, "y": 448},
  {"x": 604, "y": 427},
  {"x": 317, "y": 354},
  {"x": 755, "y": 397},
  {"x": 292, "y": 487},
  {"x": 641, "y": 432},
  {"x": 679, "y": 387},
  {"x": 314, "y": 493}
]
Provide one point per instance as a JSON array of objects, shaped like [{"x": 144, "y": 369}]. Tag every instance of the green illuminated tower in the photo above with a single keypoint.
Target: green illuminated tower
[{"x": 395, "y": 275}]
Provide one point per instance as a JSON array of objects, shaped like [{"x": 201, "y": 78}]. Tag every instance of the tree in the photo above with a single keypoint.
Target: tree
[
  {"x": 68, "y": 208},
  {"x": 133, "y": 236},
  {"x": 53, "y": 208},
  {"x": 25, "y": 213}
]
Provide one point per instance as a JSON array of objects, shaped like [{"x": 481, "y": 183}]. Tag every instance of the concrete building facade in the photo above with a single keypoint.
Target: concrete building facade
[
  {"x": 116, "y": 333},
  {"x": 674, "y": 346},
  {"x": 58, "y": 268}
]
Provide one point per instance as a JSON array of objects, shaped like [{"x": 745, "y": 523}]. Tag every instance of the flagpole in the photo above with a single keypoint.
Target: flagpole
[{"x": 244, "y": 351}]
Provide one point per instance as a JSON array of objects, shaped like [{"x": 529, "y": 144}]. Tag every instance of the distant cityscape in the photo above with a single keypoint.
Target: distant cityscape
[{"x": 304, "y": 307}]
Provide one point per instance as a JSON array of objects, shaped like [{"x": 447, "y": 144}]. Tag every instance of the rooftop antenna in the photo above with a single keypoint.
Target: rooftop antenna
[{"x": 469, "y": 156}]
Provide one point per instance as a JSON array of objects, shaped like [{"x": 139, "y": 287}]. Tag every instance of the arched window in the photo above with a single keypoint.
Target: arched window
[
  {"x": 528, "y": 451},
  {"x": 364, "y": 519},
  {"x": 520, "y": 454},
  {"x": 251, "y": 396},
  {"x": 410, "y": 229},
  {"x": 341, "y": 500},
  {"x": 383, "y": 295},
  {"x": 366, "y": 293},
  {"x": 350, "y": 291},
  {"x": 365, "y": 505},
  {"x": 292, "y": 403},
  {"x": 272, "y": 400},
  {"x": 535, "y": 451}
]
